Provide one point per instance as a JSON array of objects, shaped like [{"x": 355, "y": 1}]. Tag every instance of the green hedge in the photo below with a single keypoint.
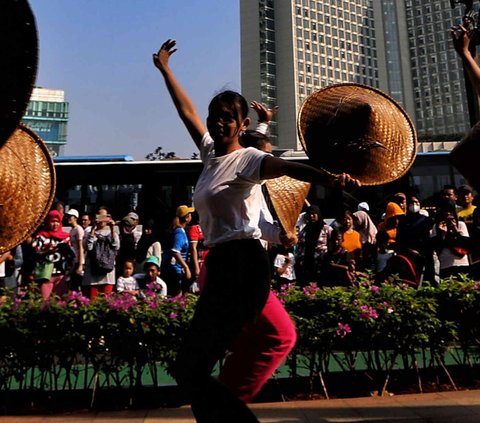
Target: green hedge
[{"x": 69, "y": 343}]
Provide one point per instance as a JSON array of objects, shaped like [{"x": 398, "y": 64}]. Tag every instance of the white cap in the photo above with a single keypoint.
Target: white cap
[
  {"x": 133, "y": 215},
  {"x": 363, "y": 206},
  {"x": 73, "y": 212}
]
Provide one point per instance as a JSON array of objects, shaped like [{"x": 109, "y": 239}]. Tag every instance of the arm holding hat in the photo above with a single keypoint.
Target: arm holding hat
[
  {"x": 274, "y": 167},
  {"x": 461, "y": 41}
]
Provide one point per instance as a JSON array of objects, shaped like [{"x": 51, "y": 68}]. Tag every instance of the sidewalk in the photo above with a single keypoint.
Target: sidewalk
[{"x": 451, "y": 407}]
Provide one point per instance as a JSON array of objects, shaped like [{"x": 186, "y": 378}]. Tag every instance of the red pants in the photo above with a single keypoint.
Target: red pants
[
  {"x": 56, "y": 284},
  {"x": 259, "y": 350},
  {"x": 236, "y": 312},
  {"x": 95, "y": 290}
]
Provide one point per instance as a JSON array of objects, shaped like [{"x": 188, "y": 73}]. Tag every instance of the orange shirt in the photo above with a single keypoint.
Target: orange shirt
[{"x": 352, "y": 241}]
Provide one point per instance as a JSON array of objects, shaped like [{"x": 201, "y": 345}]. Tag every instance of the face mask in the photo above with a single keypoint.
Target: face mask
[{"x": 413, "y": 208}]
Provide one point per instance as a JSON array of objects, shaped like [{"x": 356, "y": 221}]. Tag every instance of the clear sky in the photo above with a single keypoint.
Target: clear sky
[{"x": 100, "y": 53}]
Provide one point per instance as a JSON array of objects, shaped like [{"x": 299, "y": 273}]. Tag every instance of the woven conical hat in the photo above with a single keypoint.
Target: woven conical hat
[
  {"x": 288, "y": 197},
  {"x": 28, "y": 186},
  {"x": 19, "y": 57},
  {"x": 358, "y": 130}
]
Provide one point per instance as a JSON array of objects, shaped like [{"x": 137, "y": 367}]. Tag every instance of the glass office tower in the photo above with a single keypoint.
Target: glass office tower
[
  {"x": 291, "y": 48},
  {"x": 47, "y": 115}
]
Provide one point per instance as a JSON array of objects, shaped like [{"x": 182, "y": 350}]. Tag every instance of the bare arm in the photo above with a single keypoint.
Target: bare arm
[
  {"x": 81, "y": 256},
  {"x": 274, "y": 167},
  {"x": 194, "y": 257},
  {"x": 179, "y": 259},
  {"x": 184, "y": 105},
  {"x": 461, "y": 41}
]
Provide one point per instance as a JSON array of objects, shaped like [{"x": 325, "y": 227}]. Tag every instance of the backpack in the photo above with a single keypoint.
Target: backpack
[{"x": 102, "y": 257}]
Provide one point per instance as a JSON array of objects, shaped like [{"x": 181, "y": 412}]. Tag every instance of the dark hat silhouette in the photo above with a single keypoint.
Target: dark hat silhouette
[
  {"x": 19, "y": 53},
  {"x": 26, "y": 170}
]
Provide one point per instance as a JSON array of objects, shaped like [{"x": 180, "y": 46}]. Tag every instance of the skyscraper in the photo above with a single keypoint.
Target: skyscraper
[
  {"x": 47, "y": 115},
  {"x": 291, "y": 48}
]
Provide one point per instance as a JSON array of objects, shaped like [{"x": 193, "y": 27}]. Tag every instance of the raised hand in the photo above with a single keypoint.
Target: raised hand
[
  {"x": 461, "y": 38},
  {"x": 160, "y": 59},
  {"x": 263, "y": 112}
]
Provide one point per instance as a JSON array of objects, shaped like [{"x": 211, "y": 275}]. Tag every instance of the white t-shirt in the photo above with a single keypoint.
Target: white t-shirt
[
  {"x": 76, "y": 237},
  {"x": 270, "y": 230},
  {"x": 447, "y": 257},
  {"x": 289, "y": 272},
  {"x": 228, "y": 194}
]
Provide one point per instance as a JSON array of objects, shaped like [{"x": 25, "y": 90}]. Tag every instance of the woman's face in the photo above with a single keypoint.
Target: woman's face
[
  {"x": 101, "y": 224},
  {"x": 54, "y": 224},
  {"x": 222, "y": 124},
  {"x": 313, "y": 217}
]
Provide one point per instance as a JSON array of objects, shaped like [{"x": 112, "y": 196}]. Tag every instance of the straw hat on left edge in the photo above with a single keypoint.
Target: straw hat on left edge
[
  {"x": 27, "y": 174},
  {"x": 18, "y": 71},
  {"x": 27, "y": 188}
]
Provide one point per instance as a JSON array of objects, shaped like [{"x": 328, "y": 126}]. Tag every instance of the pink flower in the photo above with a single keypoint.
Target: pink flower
[
  {"x": 310, "y": 289},
  {"x": 367, "y": 312},
  {"x": 374, "y": 288},
  {"x": 173, "y": 315},
  {"x": 343, "y": 330},
  {"x": 123, "y": 303}
]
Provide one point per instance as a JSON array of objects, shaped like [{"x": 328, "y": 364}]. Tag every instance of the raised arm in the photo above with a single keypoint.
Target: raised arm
[
  {"x": 265, "y": 115},
  {"x": 184, "y": 105},
  {"x": 461, "y": 41}
]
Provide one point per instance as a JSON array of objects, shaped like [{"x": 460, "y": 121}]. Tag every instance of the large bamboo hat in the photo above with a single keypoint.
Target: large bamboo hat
[
  {"x": 288, "y": 198},
  {"x": 28, "y": 186},
  {"x": 358, "y": 130},
  {"x": 27, "y": 174}
]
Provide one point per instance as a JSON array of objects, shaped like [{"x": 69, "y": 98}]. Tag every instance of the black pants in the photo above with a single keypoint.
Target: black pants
[{"x": 236, "y": 289}]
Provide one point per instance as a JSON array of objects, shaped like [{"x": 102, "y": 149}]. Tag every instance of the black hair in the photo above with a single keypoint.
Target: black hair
[
  {"x": 445, "y": 187},
  {"x": 446, "y": 206},
  {"x": 252, "y": 138},
  {"x": 132, "y": 262},
  {"x": 233, "y": 100}
]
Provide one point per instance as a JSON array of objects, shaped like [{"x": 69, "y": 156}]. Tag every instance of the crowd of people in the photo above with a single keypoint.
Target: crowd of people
[
  {"x": 100, "y": 255},
  {"x": 408, "y": 242},
  {"x": 97, "y": 254}
]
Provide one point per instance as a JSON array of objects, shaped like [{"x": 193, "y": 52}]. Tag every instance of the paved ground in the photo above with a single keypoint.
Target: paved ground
[{"x": 448, "y": 407}]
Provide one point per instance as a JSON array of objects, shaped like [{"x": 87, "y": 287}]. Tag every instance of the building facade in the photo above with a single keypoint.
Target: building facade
[
  {"x": 291, "y": 48},
  {"x": 47, "y": 115}
]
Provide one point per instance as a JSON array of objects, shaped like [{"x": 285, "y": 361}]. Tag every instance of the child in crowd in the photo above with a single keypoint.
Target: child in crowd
[
  {"x": 383, "y": 251},
  {"x": 284, "y": 266},
  {"x": 151, "y": 275},
  {"x": 338, "y": 268},
  {"x": 127, "y": 282}
]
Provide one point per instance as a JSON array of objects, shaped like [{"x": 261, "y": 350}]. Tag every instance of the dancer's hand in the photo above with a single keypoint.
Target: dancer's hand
[
  {"x": 288, "y": 239},
  {"x": 345, "y": 181},
  {"x": 161, "y": 58}
]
